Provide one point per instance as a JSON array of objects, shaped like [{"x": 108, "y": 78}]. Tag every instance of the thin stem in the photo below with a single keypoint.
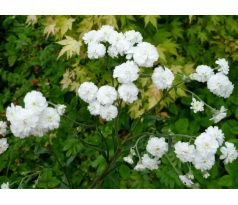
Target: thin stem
[{"x": 171, "y": 163}]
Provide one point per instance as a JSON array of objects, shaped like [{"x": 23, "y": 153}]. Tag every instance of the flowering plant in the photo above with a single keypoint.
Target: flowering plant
[{"x": 123, "y": 114}]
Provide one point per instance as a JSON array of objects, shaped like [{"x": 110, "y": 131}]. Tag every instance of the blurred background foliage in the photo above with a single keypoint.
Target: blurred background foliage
[{"x": 46, "y": 53}]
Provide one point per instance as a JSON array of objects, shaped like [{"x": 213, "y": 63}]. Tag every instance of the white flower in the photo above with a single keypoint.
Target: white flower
[
  {"x": 88, "y": 92},
  {"x": 12, "y": 111},
  {"x": 94, "y": 108},
  {"x": 126, "y": 72},
  {"x": 203, "y": 73},
  {"x": 3, "y": 128},
  {"x": 197, "y": 106},
  {"x": 35, "y": 101},
  {"x": 184, "y": 151},
  {"x": 112, "y": 51},
  {"x": 206, "y": 143},
  {"x": 108, "y": 112},
  {"x": 106, "y": 95},
  {"x": 229, "y": 153},
  {"x": 218, "y": 115},
  {"x": 105, "y": 32},
  {"x": 216, "y": 133},
  {"x": 3, "y": 145},
  {"x": 96, "y": 50},
  {"x": 128, "y": 159},
  {"x": 60, "y": 109},
  {"x": 91, "y": 37},
  {"x": 128, "y": 92},
  {"x": 222, "y": 65},
  {"x": 185, "y": 180},
  {"x": 139, "y": 167},
  {"x": 144, "y": 54},
  {"x": 133, "y": 37},
  {"x": 25, "y": 120},
  {"x": 149, "y": 163},
  {"x": 162, "y": 77},
  {"x": 220, "y": 85},
  {"x": 49, "y": 119},
  {"x": 205, "y": 174},
  {"x": 5, "y": 185},
  {"x": 204, "y": 161},
  {"x": 157, "y": 146}
]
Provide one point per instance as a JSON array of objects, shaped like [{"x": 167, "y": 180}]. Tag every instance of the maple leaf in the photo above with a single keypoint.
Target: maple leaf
[{"x": 71, "y": 47}]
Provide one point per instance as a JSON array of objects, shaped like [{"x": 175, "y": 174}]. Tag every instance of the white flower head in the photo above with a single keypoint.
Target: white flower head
[
  {"x": 3, "y": 128},
  {"x": 197, "y": 106},
  {"x": 184, "y": 151},
  {"x": 220, "y": 85},
  {"x": 60, "y": 109},
  {"x": 185, "y": 180},
  {"x": 229, "y": 153},
  {"x": 157, "y": 146},
  {"x": 105, "y": 32},
  {"x": 88, "y": 91},
  {"x": 106, "y": 95},
  {"x": 150, "y": 163},
  {"x": 108, "y": 112},
  {"x": 206, "y": 143},
  {"x": 126, "y": 72},
  {"x": 96, "y": 50},
  {"x": 128, "y": 92},
  {"x": 128, "y": 159},
  {"x": 94, "y": 108},
  {"x": 5, "y": 185},
  {"x": 144, "y": 54},
  {"x": 202, "y": 74},
  {"x": 218, "y": 115},
  {"x": 91, "y": 37},
  {"x": 3, "y": 145},
  {"x": 216, "y": 133},
  {"x": 35, "y": 101},
  {"x": 222, "y": 65},
  {"x": 162, "y": 78},
  {"x": 204, "y": 161},
  {"x": 133, "y": 37}
]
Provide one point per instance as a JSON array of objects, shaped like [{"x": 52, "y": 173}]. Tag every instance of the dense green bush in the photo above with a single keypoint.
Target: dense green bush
[{"x": 82, "y": 153}]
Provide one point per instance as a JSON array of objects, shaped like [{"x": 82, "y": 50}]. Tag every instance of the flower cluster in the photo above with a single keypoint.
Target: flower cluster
[
  {"x": 218, "y": 83},
  {"x": 36, "y": 118},
  {"x": 202, "y": 153},
  {"x": 115, "y": 44},
  {"x": 100, "y": 100},
  {"x": 156, "y": 148}
]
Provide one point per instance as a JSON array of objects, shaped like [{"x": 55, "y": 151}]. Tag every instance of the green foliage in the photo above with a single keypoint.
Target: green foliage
[{"x": 82, "y": 154}]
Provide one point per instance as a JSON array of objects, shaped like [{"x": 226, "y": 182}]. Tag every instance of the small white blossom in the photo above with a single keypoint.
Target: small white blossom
[
  {"x": 204, "y": 161},
  {"x": 96, "y": 50},
  {"x": 185, "y": 180},
  {"x": 88, "y": 91},
  {"x": 3, "y": 145},
  {"x": 133, "y": 37},
  {"x": 5, "y": 185},
  {"x": 157, "y": 146},
  {"x": 205, "y": 175},
  {"x": 149, "y": 163},
  {"x": 94, "y": 108},
  {"x": 128, "y": 92},
  {"x": 139, "y": 167},
  {"x": 162, "y": 78},
  {"x": 184, "y": 151},
  {"x": 91, "y": 37},
  {"x": 197, "y": 106},
  {"x": 216, "y": 133},
  {"x": 229, "y": 153},
  {"x": 220, "y": 85},
  {"x": 202, "y": 74},
  {"x": 108, "y": 112},
  {"x": 206, "y": 143},
  {"x": 222, "y": 65},
  {"x": 106, "y": 95},
  {"x": 3, "y": 128},
  {"x": 128, "y": 159},
  {"x": 60, "y": 109},
  {"x": 144, "y": 54},
  {"x": 126, "y": 72},
  {"x": 218, "y": 115}
]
